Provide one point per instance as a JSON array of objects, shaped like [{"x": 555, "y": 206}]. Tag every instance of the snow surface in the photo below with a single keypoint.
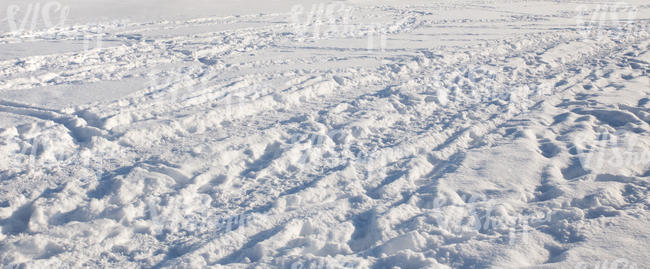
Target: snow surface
[{"x": 314, "y": 134}]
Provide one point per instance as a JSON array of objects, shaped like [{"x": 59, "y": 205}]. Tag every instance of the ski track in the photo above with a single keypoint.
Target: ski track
[{"x": 253, "y": 147}]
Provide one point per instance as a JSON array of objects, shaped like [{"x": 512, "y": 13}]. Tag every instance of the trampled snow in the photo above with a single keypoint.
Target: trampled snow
[{"x": 316, "y": 134}]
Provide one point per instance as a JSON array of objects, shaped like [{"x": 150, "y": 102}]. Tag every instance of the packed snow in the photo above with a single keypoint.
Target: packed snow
[{"x": 318, "y": 134}]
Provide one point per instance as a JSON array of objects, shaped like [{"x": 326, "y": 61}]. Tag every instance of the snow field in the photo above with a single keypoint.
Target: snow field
[{"x": 337, "y": 135}]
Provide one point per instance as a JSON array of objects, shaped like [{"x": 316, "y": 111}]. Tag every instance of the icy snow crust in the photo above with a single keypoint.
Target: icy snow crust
[{"x": 468, "y": 134}]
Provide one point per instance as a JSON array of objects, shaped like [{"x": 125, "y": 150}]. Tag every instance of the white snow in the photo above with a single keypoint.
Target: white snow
[{"x": 316, "y": 134}]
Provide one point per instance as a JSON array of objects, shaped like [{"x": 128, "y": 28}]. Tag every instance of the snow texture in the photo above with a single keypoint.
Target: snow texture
[{"x": 315, "y": 134}]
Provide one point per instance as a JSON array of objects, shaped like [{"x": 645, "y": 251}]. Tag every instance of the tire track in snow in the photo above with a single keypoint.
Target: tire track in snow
[
  {"x": 77, "y": 127},
  {"x": 462, "y": 147}
]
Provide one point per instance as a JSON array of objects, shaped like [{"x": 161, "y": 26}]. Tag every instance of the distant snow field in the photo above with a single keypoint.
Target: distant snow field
[{"x": 316, "y": 134}]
